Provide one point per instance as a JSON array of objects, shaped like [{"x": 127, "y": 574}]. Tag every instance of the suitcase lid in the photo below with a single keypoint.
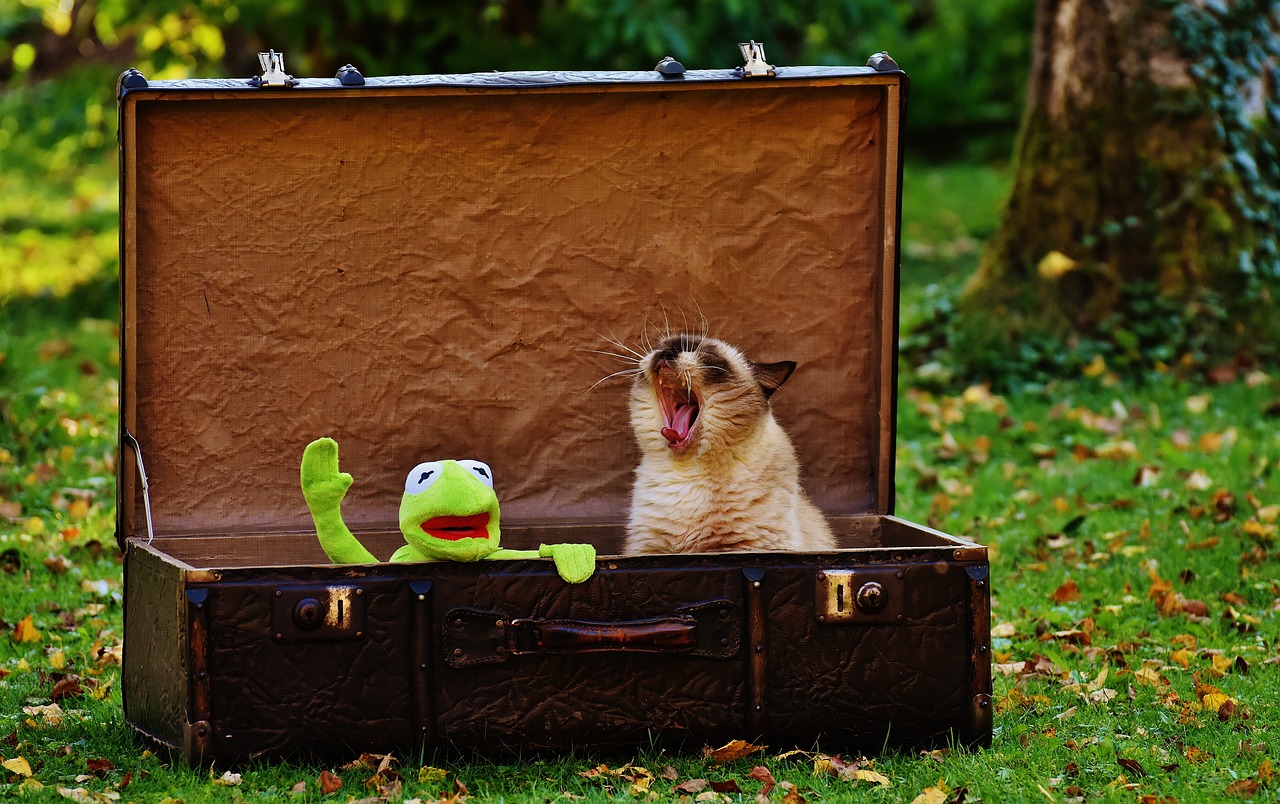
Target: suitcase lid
[{"x": 428, "y": 267}]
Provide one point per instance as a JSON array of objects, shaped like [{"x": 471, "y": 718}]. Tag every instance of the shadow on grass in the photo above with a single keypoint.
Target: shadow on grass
[{"x": 97, "y": 298}]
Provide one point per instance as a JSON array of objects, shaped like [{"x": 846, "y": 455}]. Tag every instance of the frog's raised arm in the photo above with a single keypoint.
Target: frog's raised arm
[{"x": 324, "y": 487}]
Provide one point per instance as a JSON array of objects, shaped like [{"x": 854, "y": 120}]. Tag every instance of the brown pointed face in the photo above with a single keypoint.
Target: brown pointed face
[{"x": 693, "y": 389}]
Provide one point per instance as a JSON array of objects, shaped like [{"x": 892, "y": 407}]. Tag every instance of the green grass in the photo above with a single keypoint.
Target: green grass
[{"x": 1111, "y": 512}]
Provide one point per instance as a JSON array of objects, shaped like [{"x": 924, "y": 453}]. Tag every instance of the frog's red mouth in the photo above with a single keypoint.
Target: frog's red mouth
[{"x": 454, "y": 528}]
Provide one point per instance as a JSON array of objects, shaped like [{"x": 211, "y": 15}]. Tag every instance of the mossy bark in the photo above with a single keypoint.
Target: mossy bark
[{"x": 1118, "y": 175}]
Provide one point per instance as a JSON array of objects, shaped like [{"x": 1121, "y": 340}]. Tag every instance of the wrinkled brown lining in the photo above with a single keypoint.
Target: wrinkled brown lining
[{"x": 428, "y": 276}]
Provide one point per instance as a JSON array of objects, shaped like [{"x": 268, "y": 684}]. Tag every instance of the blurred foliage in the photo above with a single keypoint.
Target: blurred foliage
[{"x": 968, "y": 59}]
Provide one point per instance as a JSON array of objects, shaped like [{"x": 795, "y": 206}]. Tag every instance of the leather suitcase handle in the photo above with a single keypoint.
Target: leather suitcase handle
[
  {"x": 709, "y": 630},
  {"x": 653, "y": 635}
]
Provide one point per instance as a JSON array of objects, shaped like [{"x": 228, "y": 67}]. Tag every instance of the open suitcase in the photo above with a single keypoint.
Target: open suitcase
[{"x": 424, "y": 267}]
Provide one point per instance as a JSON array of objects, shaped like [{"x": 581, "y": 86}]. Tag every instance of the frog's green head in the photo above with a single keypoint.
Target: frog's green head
[{"x": 449, "y": 510}]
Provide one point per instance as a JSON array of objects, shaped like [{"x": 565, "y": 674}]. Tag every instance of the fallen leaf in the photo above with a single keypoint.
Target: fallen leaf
[
  {"x": 1199, "y": 403},
  {"x": 727, "y": 786},
  {"x": 932, "y": 795},
  {"x": 762, "y": 774},
  {"x": 25, "y": 631},
  {"x": 100, "y": 767},
  {"x": 298, "y": 789},
  {"x": 1066, "y": 593},
  {"x": 328, "y": 782},
  {"x": 228, "y": 779},
  {"x": 731, "y": 751},
  {"x": 691, "y": 787},
  {"x": 17, "y": 765},
  {"x": 1132, "y": 766},
  {"x": 428, "y": 774},
  {"x": 1244, "y": 788},
  {"x": 791, "y": 794}
]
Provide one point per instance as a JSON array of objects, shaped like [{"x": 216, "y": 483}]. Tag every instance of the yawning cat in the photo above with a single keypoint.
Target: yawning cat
[{"x": 716, "y": 470}]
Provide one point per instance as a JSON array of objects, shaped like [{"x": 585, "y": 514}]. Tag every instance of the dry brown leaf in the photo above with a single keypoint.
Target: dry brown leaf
[
  {"x": 791, "y": 794},
  {"x": 691, "y": 787},
  {"x": 1244, "y": 788},
  {"x": 763, "y": 775},
  {"x": 1068, "y": 592},
  {"x": 328, "y": 783},
  {"x": 731, "y": 751}
]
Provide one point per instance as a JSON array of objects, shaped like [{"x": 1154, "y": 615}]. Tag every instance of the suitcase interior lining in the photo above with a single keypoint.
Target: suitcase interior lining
[{"x": 403, "y": 274}]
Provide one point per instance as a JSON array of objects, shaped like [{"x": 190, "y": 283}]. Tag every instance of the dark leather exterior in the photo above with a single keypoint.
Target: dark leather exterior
[{"x": 678, "y": 649}]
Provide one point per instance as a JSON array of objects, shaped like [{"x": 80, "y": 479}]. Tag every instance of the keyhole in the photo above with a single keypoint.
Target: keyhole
[
  {"x": 307, "y": 614},
  {"x": 840, "y": 598},
  {"x": 871, "y": 598},
  {"x": 340, "y": 605}
]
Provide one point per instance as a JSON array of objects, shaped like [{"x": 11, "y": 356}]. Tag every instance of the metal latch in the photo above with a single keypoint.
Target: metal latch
[
  {"x": 273, "y": 74},
  {"x": 756, "y": 66},
  {"x": 859, "y": 596},
  {"x": 318, "y": 613}
]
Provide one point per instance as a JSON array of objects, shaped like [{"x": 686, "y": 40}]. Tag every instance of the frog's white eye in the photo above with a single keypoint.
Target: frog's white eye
[
  {"x": 480, "y": 469},
  {"x": 422, "y": 477}
]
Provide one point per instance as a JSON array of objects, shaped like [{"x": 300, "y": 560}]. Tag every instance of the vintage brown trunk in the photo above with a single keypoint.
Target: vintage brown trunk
[{"x": 425, "y": 267}]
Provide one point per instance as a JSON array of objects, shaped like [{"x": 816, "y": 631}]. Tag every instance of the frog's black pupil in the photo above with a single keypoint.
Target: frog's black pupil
[
  {"x": 480, "y": 471},
  {"x": 426, "y": 475}
]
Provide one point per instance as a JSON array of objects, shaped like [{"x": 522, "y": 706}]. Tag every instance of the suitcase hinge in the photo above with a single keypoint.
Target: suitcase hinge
[
  {"x": 756, "y": 66},
  {"x": 273, "y": 74}
]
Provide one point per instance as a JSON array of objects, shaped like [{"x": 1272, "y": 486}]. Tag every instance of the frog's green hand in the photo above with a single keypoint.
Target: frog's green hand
[
  {"x": 574, "y": 562},
  {"x": 324, "y": 487}
]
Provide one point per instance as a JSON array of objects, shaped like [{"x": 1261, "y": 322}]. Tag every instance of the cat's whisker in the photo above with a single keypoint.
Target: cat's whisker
[
  {"x": 625, "y": 358},
  {"x": 631, "y": 372}
]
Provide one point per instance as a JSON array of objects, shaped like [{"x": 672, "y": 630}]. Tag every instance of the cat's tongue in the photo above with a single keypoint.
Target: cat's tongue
[{"x": 681, "y": 423}]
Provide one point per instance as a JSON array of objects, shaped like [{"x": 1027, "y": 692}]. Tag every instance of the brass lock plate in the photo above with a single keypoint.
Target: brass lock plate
[
  {"x": 860, "y": 596},
  {"x": 318, "y": 613}
]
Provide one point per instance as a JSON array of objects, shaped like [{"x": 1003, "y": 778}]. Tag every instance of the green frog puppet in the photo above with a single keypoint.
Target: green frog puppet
[{"x": 449, "y": 512}]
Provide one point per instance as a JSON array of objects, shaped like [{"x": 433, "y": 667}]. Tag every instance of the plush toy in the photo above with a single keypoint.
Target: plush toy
[{"x": 449, "y": 512}]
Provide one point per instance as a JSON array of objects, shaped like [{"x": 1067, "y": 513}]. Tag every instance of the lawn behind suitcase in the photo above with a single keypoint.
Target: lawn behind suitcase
[{"x": 1133, "y": 536}]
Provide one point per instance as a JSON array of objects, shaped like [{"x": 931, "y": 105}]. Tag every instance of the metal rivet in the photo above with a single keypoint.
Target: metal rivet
[
  {"x": 202, "y": 674},
  {"x": 901, "y": 575},
  {"x": 359, "y": 634},
  {"x": 822, "y": 576},
  {"x": 279, "y": 593},
  {"x": 982, "y": 649},
  {"x": 279, "y": 636},
  {"x": 457, "y": 623},
  {"x": 755, "y": 584},
  {"x": 502, "y": 649},
  {"x": 359, "y": 592},
  {"x": 724, "y": 642},
  {"x": 982, "y": 584},
  {"x": 984, "y": 703},
  {"x": 724, "y": 613},
  {"x": 422, "y": 597},
  {"x": 759, "y": 648},
  {"x": 759, "y": 707},
  {"x": 457, "y": 651},
  {"x": 422, "y": 666},
  {"x": 500, "y": 624},
  {"x": 822, "y": 618}
]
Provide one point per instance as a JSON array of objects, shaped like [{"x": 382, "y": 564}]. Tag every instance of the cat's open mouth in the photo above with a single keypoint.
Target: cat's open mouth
[{"x": 680, "y": 408}]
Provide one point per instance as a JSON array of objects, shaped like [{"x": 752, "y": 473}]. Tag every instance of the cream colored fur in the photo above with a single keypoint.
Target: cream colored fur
[{"x": 736, "y": 485}]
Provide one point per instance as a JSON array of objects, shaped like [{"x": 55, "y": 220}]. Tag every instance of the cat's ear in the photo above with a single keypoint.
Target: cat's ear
[{"x": 771, "y": 376}]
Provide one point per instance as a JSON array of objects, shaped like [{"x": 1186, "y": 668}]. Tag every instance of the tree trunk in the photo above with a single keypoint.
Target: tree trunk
[{"x": 1145, "y": 170}]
